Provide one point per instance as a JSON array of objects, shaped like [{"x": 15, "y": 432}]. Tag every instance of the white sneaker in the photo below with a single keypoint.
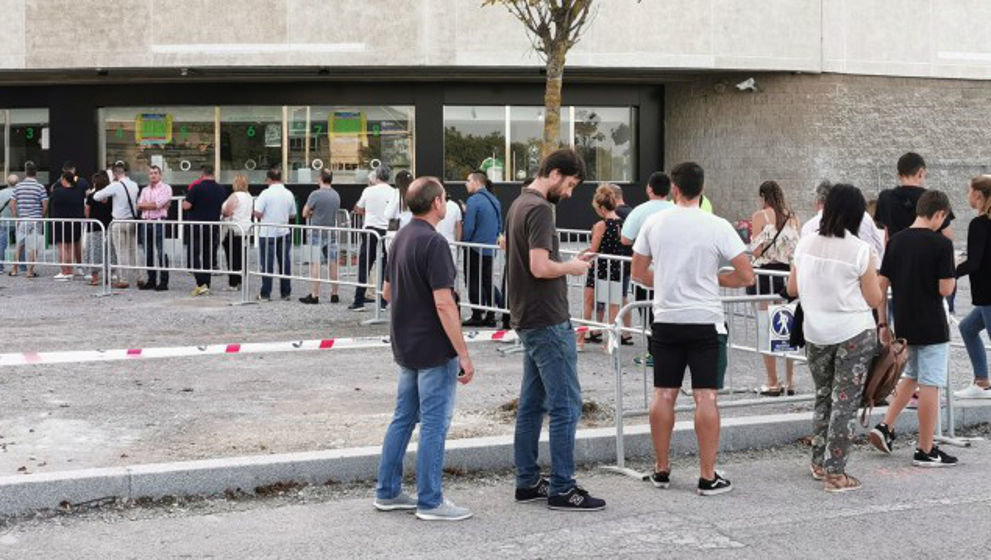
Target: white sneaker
[
  {"x": 446, "y": 511},
  {"x": 62, "y": 277},
  {"x": 973, "y": 391}
]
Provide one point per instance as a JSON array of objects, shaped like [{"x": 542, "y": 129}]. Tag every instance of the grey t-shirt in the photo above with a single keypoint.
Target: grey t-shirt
[
  {"x": 533, "y": 302},
  {"x": 325, "y": 204}
]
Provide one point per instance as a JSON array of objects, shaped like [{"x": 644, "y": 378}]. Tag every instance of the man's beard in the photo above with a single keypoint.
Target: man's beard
[{"x": 554, "y": 193}]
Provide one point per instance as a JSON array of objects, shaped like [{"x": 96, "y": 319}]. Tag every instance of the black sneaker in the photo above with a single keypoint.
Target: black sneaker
[
  {"x": 334, "y": 298},
  {"x": 718, "y": 485},
  {"x": 146, "y": 286},
  {"x": 935, "y": 458},
  {"x": 882, "y": 437},
  {"x": 534, "y": 493},
  {"x": 576, "y": 499},
  {"x": 356, "y": 307},
  {"x": 660, "y": 479},
  {"x": 309, "y": 299}
]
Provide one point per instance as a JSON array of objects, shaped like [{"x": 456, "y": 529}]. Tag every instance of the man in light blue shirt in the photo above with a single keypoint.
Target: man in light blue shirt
[{"x": 658, "y": 187}]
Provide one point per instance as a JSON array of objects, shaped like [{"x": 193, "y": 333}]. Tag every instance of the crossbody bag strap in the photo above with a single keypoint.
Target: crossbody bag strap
[
  {"x": 496, "y": 208},
  {"x": 127, "y": 195}
]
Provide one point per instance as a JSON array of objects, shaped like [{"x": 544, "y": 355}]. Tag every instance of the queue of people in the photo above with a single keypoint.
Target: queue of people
[{"x": 839, "y": 265}]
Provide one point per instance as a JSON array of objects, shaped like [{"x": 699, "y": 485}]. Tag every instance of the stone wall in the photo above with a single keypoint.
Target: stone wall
[{"x": 799, "y": 129}]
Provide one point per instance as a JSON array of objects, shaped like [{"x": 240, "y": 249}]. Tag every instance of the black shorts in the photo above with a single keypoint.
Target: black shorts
[
  {"x": 769, "y": 285},
  {"x": 675, "y": 346}
]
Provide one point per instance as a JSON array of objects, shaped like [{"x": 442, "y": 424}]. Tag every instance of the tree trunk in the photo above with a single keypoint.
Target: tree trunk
[{"x": 552, "y": 99}]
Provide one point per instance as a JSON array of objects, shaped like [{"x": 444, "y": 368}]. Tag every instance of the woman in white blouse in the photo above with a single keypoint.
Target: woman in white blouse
[
  {"x": 237, "y": 210},
  {"x": 834, "y": 274}
]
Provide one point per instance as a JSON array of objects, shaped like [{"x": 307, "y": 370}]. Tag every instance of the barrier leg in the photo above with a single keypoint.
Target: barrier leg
[
  {"x": 620, "y": 466},
  {"x": 950, "y": 437},
  {"x": 378, "y": 319}
]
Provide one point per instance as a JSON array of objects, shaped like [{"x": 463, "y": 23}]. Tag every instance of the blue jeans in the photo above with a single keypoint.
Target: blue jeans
[
  {"x": 979, "y": 319},
  {"x": 425, "y": 396},
  {"x": 154, "y": 236},
  {"x": 4, "y": 240},
  {"x": 272, "y": 248},
  {"x": 550, "y": 385}
]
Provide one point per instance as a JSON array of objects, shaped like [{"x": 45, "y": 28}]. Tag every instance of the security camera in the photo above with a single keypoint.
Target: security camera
[{"x": 750, "y": 84}]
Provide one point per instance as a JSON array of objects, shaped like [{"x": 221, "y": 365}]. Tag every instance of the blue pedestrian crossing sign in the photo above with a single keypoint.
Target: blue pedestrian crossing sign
[{"x": 781, "y": 320}]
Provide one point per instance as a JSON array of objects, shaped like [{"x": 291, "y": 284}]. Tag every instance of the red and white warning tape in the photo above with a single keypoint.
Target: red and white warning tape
[{"x": 78, "y": 356}]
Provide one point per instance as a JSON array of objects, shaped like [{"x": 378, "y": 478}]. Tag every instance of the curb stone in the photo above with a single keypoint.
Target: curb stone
[{"x": 20, "y": 494}]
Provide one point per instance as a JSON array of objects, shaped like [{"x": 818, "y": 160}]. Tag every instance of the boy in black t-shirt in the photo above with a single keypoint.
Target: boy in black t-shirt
[{"x": 918, "y": 265}]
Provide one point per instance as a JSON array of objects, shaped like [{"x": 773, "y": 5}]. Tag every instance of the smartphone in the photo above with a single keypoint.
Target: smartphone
[{"x": 461, "y": 372}]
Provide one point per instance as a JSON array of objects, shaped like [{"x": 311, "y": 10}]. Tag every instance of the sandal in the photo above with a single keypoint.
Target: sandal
[
  {"x": 31, "y": 275},
  {"x": 836, "y": 483},
  {"x": 791, "y": 391},
  {"x": 626, "y": 340},
  {"x": 12, "y": 273},
  {"x": 767, "y": 391},
  {"x": 818, "y": 472},
  {"x": 595, "y": 338}
]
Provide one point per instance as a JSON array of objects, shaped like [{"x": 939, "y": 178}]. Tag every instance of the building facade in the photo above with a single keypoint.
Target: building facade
[{"x": 791, "y": 90}]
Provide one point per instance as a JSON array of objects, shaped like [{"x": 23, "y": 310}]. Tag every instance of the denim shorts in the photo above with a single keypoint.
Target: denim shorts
[
  {"x": 927, "y": 364},
  {"x": 323, "y": 247}
]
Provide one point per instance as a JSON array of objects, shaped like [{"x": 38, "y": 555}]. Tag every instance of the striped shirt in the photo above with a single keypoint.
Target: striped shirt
[
  {"x": 29, "y": 194},
  {"x": 161, "y": 195}
]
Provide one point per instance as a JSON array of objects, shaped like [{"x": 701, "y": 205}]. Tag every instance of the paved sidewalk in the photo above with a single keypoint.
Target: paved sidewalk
[{"x": 776, "y": 511}]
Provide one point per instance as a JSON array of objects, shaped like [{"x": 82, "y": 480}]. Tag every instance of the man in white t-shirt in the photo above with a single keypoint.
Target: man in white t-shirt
[
  {"x": 124, "y": 195},
  {"x": 275, "y": 205},
  {"x": 450, "y": 226},
  {"x": 372, "y": 205},
  {"x": 868, "y": 231},
  {"x": 688, "y": 315}
]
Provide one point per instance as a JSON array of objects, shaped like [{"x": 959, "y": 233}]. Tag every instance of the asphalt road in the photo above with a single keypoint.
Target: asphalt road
[{"x": 776, "y": 512}]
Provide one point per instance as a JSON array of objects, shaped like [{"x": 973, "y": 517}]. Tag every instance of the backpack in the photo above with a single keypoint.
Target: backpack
[{"x": 882, "y": 376}]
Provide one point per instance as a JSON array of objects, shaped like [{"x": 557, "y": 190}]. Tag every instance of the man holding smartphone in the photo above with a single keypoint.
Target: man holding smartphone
[
  {"x": 428, "y": 346},
  {"x": 538, "y": 302}
]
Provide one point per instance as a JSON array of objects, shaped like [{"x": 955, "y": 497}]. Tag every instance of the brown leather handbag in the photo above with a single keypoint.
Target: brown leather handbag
[{"x": 883, "y": 376}]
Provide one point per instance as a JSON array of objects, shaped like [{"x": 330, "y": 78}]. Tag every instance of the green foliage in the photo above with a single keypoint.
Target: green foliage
[{"x": 464, "y": 153}]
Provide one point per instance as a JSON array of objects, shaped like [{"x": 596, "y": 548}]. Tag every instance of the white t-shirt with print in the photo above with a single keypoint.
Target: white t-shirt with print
[
  {"x": 687, "y": 247},
  {"x": 374, "y": 199},
  {"x": 829, "y": 271}
]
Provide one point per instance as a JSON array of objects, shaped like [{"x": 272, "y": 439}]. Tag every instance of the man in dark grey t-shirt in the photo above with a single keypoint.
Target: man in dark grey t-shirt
[
  {"x": 321, "y": 210},
  {"x": 538, "y": 301},
  {"x": 428, "y": 346}
]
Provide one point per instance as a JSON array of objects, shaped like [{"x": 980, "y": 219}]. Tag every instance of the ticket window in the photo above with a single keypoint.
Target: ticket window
[
  {"x": 179, "y": 140},
  {"x": 26, "y": 137}
]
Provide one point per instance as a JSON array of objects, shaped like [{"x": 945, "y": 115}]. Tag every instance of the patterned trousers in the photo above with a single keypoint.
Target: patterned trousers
[{"x": 839, "y": 372}]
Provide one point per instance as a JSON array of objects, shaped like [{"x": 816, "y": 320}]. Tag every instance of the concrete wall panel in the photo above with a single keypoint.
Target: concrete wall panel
[
  {"x": 12, "y": 33},
  {"x": 87, "y": 33},
  {"x": 923, "y": 38}
]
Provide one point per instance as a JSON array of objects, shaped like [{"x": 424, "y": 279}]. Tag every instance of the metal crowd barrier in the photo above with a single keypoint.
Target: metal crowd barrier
[
  {"x": 173, "y": 246},
  {"x": 52, "y": 242},
  {"x": 483, "y": 293},
  {"x": 351, "y": 249}
]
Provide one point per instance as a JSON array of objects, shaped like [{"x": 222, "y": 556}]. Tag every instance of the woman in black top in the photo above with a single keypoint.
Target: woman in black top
[
  {"x": 66, "y": 203},
  {"x": 101, "y": 212},
  {"x": 978, "y": 268},
  {"x": 604, "y": 283}
]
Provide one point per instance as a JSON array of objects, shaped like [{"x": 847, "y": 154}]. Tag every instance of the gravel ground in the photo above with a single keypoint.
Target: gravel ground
[{"x": 67, "y": 416}]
